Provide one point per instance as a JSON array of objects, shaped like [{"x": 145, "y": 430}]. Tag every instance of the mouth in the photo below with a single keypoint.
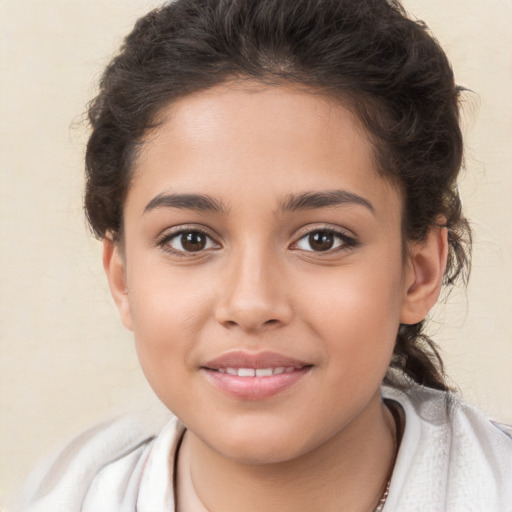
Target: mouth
[
  {"x": 247, "y": 376},
  {"x": 256, "y": 372}
]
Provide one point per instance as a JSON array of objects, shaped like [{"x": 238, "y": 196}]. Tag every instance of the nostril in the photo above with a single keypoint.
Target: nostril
[
  {"x": 273, "y": 322},
  {"x": 252, "y": 315}
]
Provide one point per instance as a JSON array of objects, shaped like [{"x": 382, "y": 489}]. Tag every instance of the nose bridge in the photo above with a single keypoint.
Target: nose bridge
[{"x": 253, "y": 296}]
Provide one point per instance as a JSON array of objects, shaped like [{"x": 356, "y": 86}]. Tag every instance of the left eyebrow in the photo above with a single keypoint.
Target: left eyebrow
[
  {"x": 198, "y": 202},
  {"x": 322, "y": 199}
]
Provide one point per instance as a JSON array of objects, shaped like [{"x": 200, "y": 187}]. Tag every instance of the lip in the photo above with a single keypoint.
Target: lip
[
  {"x": 240, "y": 359},
  {"x": 255, "y": 387}
]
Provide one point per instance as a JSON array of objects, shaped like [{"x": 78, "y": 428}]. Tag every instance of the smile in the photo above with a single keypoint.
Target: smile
[
  {"x": 254, "y": 376},
  {"x": 257, "y": 372}
]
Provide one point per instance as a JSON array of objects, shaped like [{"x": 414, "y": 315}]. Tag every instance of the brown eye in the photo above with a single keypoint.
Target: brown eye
[
  {"x": 321, "y": 240},
  {"x": 193, "y": 241},
  {"x": 188, "y": 241}
]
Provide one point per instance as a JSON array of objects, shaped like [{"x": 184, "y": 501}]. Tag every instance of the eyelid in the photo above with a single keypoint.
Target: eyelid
[
  {"x": 311, "y": 228},
  {"x": 349, "y": 240},
  {"x": 172, "y": 232}
]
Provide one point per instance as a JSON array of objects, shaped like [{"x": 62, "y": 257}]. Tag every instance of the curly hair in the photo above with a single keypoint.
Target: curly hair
[{"x": 388, "y": 68}]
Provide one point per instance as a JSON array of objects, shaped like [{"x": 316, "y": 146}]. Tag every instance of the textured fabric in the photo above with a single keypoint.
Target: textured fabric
[{"x": 451, "y": 459}]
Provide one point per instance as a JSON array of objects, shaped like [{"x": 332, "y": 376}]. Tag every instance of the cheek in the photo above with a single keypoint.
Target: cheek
[
  {"x": 357, "y": 311},
  {"x": 169, "y": 310},
  {"x": 371, "y": 293},
  {"x": 165, "y": 298}
]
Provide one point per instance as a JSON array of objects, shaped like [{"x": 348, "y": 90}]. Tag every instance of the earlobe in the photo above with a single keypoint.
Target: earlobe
[
  {"x": 114, "y": 265},
  {"x": 424, "y": 275}
]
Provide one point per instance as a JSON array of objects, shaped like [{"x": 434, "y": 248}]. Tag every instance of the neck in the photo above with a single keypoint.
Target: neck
[{"x": 348, "y": 472}]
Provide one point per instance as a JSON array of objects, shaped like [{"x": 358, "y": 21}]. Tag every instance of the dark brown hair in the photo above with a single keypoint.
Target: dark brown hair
[{"x": 388, "y": 68}]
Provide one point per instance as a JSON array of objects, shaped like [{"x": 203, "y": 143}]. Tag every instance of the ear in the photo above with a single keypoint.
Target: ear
[
  {"x": 424, "y": 275},
  {"x": 115, "y": 268}
]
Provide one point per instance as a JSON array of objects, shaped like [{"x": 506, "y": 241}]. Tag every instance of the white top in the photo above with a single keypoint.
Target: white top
[{"x": 451, "y": 459}]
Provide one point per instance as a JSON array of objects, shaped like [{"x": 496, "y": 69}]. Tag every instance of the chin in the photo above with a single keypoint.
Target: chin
[
  {"x": 259, "y": 446},
  {"x": 257, "y": 454}
]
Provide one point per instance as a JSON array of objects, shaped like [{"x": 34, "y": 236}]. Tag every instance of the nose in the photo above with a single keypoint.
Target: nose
[{"x": 254, "y": 295}]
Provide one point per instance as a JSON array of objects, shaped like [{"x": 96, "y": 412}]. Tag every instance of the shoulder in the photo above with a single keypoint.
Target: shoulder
[
  {"x": 506, "y": 429},
  {"x": 451, "y": 454},
  {"x": 63, "y": 480},
  {"x": 448, "y": 411}
]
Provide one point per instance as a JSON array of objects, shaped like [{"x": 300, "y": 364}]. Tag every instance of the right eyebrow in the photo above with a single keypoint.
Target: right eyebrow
[{"x": 199, "y": 202}]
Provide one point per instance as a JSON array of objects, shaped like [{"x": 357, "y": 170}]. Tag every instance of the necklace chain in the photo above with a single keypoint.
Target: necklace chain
[
  {"x": 383, "y": 499},
  {"x": 397, "y": 416}
]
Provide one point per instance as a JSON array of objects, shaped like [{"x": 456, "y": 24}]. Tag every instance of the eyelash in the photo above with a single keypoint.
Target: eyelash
[
  {"x": 345, "y": 241},
  {"x": 163, "y": 242}
]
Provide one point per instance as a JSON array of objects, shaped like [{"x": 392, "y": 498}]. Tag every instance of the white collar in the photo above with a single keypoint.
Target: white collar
[{"x": 156, "y": 492}]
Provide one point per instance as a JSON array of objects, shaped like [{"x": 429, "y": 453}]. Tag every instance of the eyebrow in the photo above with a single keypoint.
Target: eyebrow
[
  {"x": 199, "y": 202},
  {"x": 322, "y": 199}
]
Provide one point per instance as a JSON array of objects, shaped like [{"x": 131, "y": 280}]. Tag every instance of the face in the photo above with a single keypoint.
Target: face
[{"x": 263, "y": 268}]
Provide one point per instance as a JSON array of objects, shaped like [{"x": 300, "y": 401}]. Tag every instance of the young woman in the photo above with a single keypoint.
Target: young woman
[{"x": 275, "y": 187}]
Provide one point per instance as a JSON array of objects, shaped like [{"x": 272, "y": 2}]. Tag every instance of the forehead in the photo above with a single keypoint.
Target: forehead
[{"x": 236, "y": 137}]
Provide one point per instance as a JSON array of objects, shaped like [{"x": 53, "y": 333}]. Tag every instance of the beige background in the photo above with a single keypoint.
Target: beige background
[{"x": 65, "y": 360}]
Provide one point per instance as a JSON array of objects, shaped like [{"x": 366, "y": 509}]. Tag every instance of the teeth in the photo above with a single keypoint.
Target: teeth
[
  {"x": 263, "y": 372},
  {"x": 260, "y": 372},
  {"x": 246, "y": 372}
]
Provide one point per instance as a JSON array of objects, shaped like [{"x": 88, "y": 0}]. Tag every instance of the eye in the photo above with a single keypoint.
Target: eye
[
  {"x": 188, "y": 241},
  {"x": 323, "y": 240}
]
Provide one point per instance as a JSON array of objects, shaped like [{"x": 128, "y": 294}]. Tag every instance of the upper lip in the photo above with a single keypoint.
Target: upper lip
[{"x": 241, "y": 359}]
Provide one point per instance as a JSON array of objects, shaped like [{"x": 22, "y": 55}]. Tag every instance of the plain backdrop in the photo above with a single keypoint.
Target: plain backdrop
[{"x": 65, "y": 359}]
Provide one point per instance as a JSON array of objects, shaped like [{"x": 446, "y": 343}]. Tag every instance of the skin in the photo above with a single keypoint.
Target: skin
[{"x": 327, "y": 442}]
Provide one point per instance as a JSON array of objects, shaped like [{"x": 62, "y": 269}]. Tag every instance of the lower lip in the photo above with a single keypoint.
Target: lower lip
[{"x": 254, "y": 388}]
